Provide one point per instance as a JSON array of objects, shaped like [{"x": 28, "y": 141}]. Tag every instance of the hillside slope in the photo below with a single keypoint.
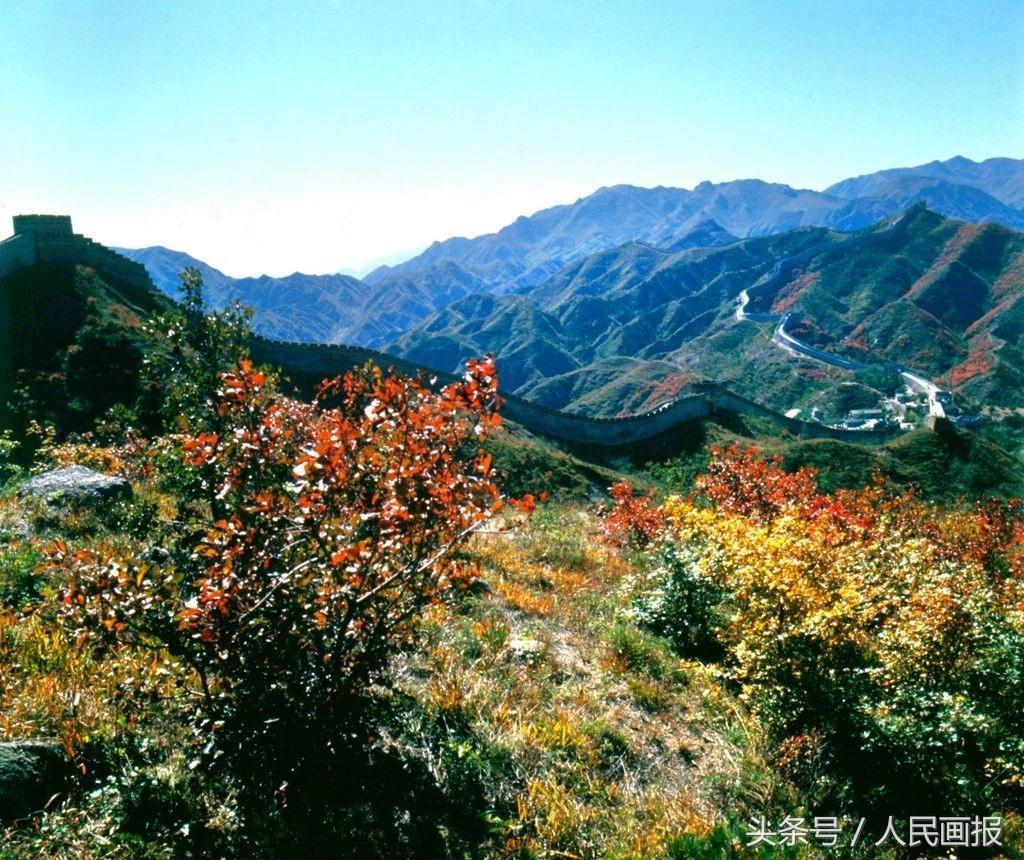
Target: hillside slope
[
  {"x": 934, "y": 294},
  {"x": 391, "y": 300}
]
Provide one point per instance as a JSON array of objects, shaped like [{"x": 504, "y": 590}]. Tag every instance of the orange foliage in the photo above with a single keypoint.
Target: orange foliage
[
  {"x": 634, "y": 520},
  {"x": 792, "y": 292},
  {"x": 979, "y": 360},
  {"x": 863, "y": 622},
  {"x": 332, "y": 525}
]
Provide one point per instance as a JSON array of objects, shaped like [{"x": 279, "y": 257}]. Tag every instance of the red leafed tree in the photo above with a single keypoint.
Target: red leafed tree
[
  {"x": 634, "y": 520},
  {"x": 332, "y": 525},
  {"x": 739, "y": 480}
]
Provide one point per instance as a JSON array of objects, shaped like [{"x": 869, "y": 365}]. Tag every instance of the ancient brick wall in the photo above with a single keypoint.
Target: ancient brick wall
[{"x": 308, "y": 363}]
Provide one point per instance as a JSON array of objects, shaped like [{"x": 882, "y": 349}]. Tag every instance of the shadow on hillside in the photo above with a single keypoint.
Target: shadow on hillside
[
  {"x": 400, "y": 785},
  {"x": 420, "y": 793},
  {"x": 687, "y": 440}
]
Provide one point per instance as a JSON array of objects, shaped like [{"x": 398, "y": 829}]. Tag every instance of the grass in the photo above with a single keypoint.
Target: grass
[
  {"x": 612, "y": 746},
  {"x": 532, "y": 719},
  {"x": 519, "y": 726}
]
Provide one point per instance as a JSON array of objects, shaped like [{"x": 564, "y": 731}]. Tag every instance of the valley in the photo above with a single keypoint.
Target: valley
[
  {"x": 624, "y": 300},
  {"x": 564, "y": 640},
  {"x": 895, "y": 409}
]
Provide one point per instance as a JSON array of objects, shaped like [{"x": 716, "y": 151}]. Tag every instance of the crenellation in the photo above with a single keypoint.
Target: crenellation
[
  {"x": 51, "y": 239},
  {"x": 43, "y": 226}
]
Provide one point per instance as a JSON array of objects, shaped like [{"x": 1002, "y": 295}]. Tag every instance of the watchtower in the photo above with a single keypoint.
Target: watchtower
[{"x": 43, "y": 226}]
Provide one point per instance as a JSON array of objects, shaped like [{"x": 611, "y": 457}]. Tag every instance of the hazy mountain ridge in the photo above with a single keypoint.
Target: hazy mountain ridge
[
  {"x": 530, "y": 249},
  {"x": 1000, "y": 178},
  {"x": 536, "y": 252},
  {"x": 330, "y": 308},
  {"x": 632, "y": 302}
]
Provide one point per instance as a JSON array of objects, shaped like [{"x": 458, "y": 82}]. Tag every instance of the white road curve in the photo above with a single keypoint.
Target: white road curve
[{"x": 786, "y": 341}]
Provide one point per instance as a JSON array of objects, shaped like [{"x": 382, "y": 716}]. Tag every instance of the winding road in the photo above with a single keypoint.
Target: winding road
[{"x": 786, "y": 341}]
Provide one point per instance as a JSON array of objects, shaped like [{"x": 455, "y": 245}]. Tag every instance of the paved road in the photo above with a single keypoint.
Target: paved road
[
  {"x": 786, "y": 341},
  {"x": 919, "y": 383},
  {"x": 913, "y": 380},
  {"x": 790, "y": 343}
]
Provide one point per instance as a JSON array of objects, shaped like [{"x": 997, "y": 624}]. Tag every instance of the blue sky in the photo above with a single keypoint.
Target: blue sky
[{"x": 319, "y": 135}]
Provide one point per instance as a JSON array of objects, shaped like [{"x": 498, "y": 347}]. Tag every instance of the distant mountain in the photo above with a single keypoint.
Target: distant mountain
[
  {"x": 933, "y": 293},
  {"x": 1000, "y": 178},
  {"x": 314, "y": 308},
  {"x": 706, "y": 234},
  {"x": 531, "y": 249},
  {"x": 635, "y": 302},
  {"x": 165, "y": 266},
  {"x": 621, "y": 232},
  {"x": 534, "y": 248}
]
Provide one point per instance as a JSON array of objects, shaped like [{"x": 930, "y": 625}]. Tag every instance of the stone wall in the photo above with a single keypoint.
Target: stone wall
[
  {"x": 18, "y": 252},
  {"x": 727, "y": 401},
  {"x": 79, "y": 250},
  {"x": 307, "y": 363},
  {"x": 43, "y": 226},
  {"x": 15, "y": 253},
  {"x": 50, "y": 239}
]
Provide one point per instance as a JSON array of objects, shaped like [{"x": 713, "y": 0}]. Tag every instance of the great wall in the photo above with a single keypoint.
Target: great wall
[{"x": 50, "y": 239}]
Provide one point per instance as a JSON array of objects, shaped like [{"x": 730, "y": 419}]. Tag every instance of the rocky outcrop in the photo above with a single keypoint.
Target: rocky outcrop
[
  {"x": 74, "y": 483},
  {"x": 32, "y": 772}
]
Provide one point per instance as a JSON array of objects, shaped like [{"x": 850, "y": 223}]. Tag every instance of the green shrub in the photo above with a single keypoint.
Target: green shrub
[
  {"x": 19, "y": 582},
  {"x": 642, "y": 653},
  {"x": 556, "y": 536},
  {"x": 672, "y": 597}
]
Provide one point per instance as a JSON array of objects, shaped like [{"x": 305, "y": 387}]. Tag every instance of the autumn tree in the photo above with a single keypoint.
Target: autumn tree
[
  {"x": 879, "y": 638},
  {"x": 334, "y": 523}
]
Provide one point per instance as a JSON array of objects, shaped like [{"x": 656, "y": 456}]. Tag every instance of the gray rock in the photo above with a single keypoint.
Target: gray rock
[
  {"x": 31, "y": 773},
  {"x": 525, "y": 649},
  {"x": 74, "y": 482}
]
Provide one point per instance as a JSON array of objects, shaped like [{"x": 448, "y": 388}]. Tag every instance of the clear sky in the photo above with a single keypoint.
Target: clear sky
[{"x": 301, "y": 135}]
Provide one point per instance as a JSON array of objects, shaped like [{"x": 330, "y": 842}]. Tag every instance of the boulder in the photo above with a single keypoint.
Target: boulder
[
  {"x": 74, "y": 482},
  {"x": 31, "y": 773}
]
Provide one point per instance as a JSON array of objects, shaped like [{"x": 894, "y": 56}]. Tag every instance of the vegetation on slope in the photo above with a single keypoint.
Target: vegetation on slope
[
  {"x": 583, "y": 698},
  {"x": 876, "y": 638},
  {"x": 940, "y": 296},
  {"x": 288, "y": 641}
]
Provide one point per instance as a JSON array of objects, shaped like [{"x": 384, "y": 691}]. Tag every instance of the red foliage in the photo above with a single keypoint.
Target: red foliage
[
  {"x": 331, "y": 528},
  {"x": 634, "y": 520},
  {"x": 792, "y": 292},
  {"x": 979, "y": 361},
  {"x": 738, "y": 480}
]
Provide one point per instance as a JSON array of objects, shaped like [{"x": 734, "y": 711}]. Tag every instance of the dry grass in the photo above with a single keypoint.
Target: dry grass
[
  {"x": 616, "y": 746},
  {"x": 577, "y": 735}
]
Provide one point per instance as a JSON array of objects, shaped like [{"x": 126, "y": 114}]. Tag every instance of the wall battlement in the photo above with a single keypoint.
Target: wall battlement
[
  {"x": 43, "y": 226},
  {"x": 51, "y": 239}
]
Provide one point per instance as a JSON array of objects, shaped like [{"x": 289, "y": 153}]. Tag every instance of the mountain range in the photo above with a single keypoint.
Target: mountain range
[
  {"x": 939, "y": 295},
  {"x": 391, "y": 300}
]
